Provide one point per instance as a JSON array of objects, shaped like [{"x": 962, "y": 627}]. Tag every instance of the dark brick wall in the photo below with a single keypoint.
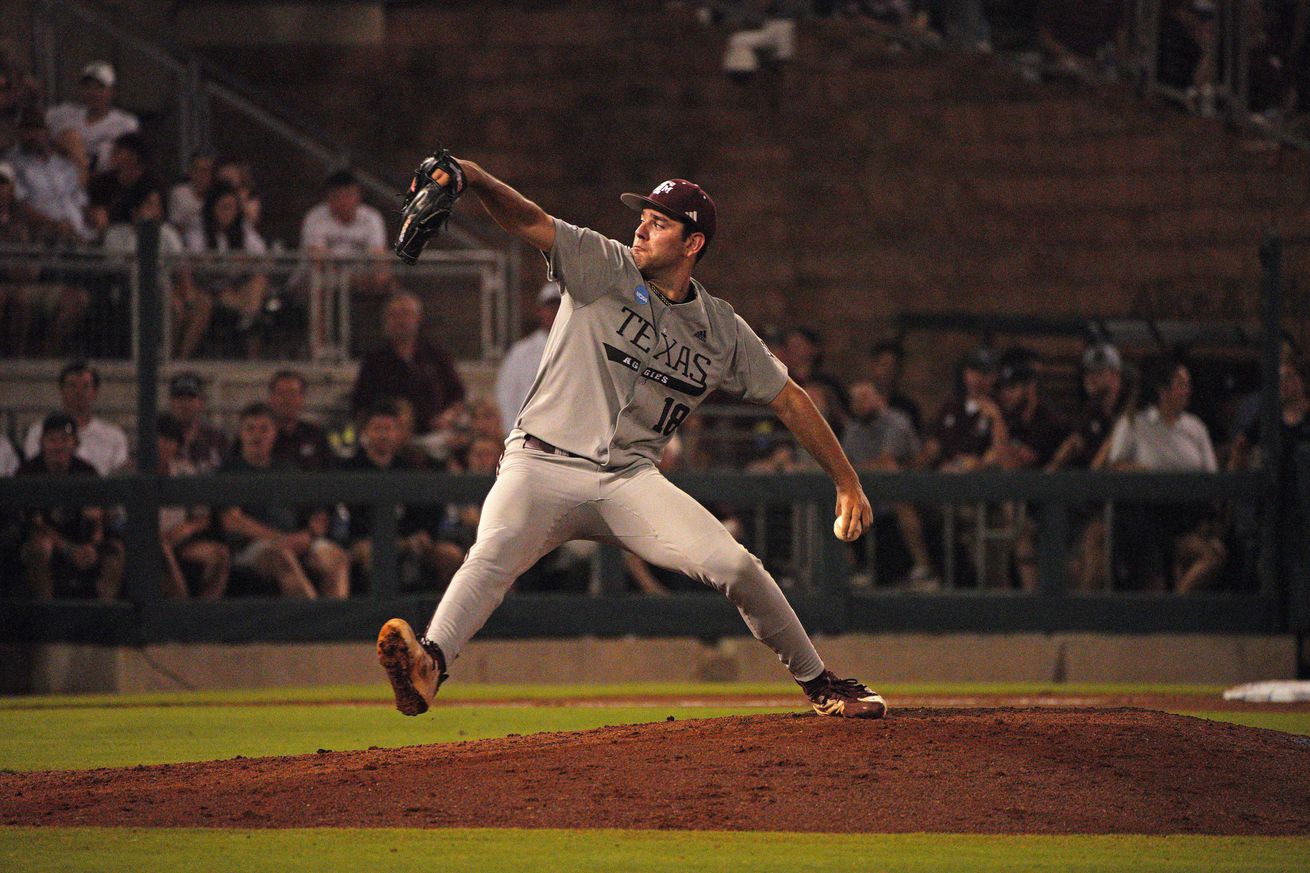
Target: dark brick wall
[{"x": 854, "y": 183}]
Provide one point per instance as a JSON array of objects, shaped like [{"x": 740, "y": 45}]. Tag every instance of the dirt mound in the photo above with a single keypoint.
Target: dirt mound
[{"x": 1003, "y": 770}]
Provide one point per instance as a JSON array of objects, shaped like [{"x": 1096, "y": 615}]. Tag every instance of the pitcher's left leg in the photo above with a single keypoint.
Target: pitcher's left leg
[{"x": 662, "y": 524}]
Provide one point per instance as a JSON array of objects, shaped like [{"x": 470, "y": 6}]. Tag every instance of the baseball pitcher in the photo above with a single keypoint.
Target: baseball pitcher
[{"x": 638, "y": 344}]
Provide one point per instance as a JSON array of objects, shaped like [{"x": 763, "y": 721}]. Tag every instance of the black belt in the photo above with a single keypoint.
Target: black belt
[{"x": 531, "y": 442}]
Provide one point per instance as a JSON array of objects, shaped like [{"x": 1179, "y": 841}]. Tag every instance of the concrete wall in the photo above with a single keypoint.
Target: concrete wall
[{"x": 1210, "y": 659}]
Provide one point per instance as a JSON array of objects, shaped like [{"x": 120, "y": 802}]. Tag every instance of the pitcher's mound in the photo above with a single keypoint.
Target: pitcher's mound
[{"x": 977, "y": 770}]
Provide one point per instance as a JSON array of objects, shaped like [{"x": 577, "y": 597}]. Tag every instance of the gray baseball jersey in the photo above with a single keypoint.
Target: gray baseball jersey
[
  {"x": 641, "y": 363},
  {"x": 622, "y": 369}
]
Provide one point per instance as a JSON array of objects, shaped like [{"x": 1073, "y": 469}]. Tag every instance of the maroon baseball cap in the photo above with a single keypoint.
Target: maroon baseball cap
[{"x": 685, "y": 201}]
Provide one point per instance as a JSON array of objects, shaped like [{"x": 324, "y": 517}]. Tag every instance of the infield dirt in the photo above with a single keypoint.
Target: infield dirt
[{"x": 977, "y": 770}]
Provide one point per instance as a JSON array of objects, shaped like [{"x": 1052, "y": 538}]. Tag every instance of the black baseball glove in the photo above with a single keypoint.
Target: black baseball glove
[{"x": 427, "y": 203}]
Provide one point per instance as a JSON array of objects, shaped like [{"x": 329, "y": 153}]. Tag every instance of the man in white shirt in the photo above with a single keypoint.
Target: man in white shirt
[
  {"x": 519, "y": 368},
  {"x": 47, "y": 184},
  {"x": 1179, "y": 543},
  {"x": 343, "y": 224},
  {"x": 85, "y": 131},
  {"x": 101, "y": 444}
]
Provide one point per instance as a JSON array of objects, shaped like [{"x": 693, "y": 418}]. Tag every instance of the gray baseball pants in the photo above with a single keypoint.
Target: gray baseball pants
[{"x": 540, "y": 501}]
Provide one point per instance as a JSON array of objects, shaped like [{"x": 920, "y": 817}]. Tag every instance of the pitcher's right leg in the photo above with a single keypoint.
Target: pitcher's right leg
[{"x": 525, "y": 516}]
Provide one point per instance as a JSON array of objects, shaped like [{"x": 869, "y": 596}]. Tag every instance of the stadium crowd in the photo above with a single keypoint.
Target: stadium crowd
[
  {"x": 409, "y": 410},
  {"x": 79, "y": 176}
]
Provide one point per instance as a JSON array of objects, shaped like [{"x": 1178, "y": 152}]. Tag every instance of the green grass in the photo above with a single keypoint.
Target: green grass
[
  {"x": 51, "y": 739},
  {"x": 1288, "y": 722},
  {"x": 521, "y": 851}
]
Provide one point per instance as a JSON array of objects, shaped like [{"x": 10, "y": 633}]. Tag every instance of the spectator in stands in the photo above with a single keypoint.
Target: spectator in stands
[
  {"x": 1035, "y": 431},
  {"x": 48, "y": 185},
  {"x": 881, "y": 437},
  {"x": 121, "y": 183},
  {"x": 16, "y": 281},
  {"x": 186, "y": 199},
  {"x": 969, "y": 428},
  {"x": 343, "y": 225},
  {"x": 1294, "y": 409},
  {"x": 101, "y": 444},
  {"x": 66, "y": 550},
  {"x": 886, "y": 367},
  {"x": 1035, "y": 434},
  {"x": 411, "y": 447},
  {"x": 190, "y": 307},
  {"x": 418, "y": 528},
  {"x": 189, "y": 550},
  {"x": 241, "y": 176},
  {"x": 409, "y": 366},
  {"x": 17, "y": 90},
  {"x": 85, "y": 131},
  {"x": 270, "y": 539},
  {"x": 301, "y": 443},
  {"x": 204, "y": 446},
  {"x": 1291, "y": 514},
  {"x": 223, "y": 230},
  {"x": 1106, "y": 398},
  {"x": 1163, "y": 435},
  {"x": 461, "y": 527},
  {"x": 519, "y": 368},
  {"x": 802, "y": 352},
  {"x": 9, "y": 459}
]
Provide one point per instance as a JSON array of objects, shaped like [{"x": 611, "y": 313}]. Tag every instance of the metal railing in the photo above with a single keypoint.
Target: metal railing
[{"x": 310, "y": 307}]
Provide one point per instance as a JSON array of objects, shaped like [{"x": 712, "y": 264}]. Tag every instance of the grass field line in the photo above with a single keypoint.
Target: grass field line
[{"x": 35, "y": 850}]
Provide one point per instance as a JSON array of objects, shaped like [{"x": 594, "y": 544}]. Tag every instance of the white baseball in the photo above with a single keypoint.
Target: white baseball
[{"x": 839, "y": 529}]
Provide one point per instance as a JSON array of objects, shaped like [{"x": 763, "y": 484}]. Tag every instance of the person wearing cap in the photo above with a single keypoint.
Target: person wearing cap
[
  {"x": 85, "y": 131},
  {"x": 1105, "y": 397},
  {"x": 48, "y": 185},
  {"x": 102, "y": 444},
  {"x": 67, "y": 551},
  {"x": 1035, "y": 431},
  {"x": 970, "y": 426},
  {"x": 204, "y": 446},
  {"x": 514, "y": 378},
  {"x": 637, "y": 345}
]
